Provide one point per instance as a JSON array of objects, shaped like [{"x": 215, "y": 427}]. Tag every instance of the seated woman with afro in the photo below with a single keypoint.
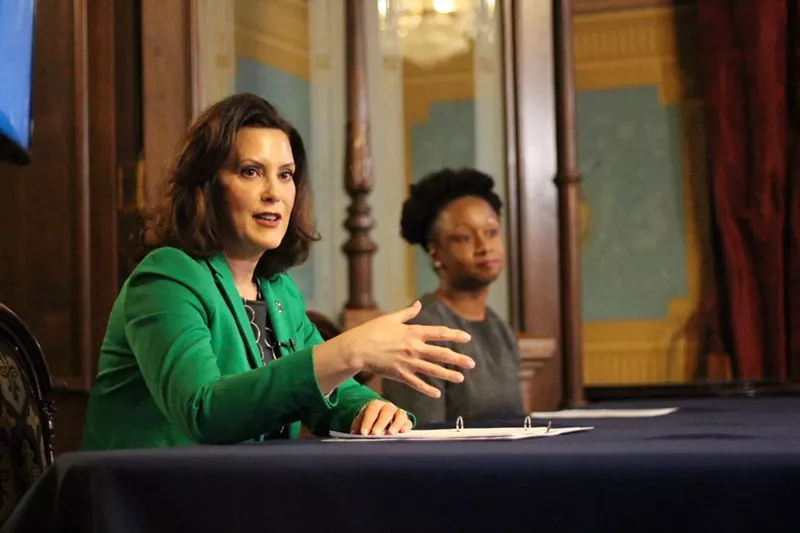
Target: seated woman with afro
[{"x": 454, "y": 215}]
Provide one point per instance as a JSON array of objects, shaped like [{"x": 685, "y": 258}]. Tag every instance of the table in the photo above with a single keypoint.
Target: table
[{"x": 725, "y": 464}]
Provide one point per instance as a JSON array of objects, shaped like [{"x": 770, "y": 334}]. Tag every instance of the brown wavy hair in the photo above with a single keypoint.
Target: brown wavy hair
[{"x": 189, "y": 215}]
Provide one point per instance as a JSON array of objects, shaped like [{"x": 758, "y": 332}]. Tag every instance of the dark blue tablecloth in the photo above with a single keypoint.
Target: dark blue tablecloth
[{"x": 716, "y": 465}]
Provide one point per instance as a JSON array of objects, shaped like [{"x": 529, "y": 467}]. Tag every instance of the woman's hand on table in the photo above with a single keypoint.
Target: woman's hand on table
[{"x": 380, "y": 417}]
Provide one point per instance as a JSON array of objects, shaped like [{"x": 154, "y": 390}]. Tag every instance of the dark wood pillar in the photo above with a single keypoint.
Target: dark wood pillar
[
  {"x": 533, "y": 199},
  {"x": 167, "y": 77},
  {"x": 359, "y": 247},
  {"x": 568, "y": 181}
]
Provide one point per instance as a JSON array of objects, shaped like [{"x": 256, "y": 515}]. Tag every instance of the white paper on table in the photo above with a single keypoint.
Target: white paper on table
[
  {"x": 604, "y": 413},
  {"x": 462, "y": 434}
]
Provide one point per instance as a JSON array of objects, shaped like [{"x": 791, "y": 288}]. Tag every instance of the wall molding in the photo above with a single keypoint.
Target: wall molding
[
  {"x": 595, "y": 6},
  {"x": 276, "y": 33},
  {"x": 630, "y": 48}
]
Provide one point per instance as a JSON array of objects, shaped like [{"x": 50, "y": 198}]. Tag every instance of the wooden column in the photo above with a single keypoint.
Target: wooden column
[
  {"x": 532, "y": 197},
  {"x": 568, "y": 180},
  {"x": 359, "y": 247},
  {"x": 167, "y": 82}
]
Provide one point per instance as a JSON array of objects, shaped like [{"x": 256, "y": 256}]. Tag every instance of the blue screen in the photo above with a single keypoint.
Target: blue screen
[{"x": 16, "y": 53}]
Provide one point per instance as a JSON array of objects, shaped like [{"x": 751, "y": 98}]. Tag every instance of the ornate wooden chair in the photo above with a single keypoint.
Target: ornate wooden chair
[
  {"x": 26, "y": 413},
  {"x": 328, "y": 329}
]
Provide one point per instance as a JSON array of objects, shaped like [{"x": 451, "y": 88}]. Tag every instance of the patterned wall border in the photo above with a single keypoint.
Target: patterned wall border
[
  {"x": 640, "y": 47},
  {"x": 604, "y": 6}
]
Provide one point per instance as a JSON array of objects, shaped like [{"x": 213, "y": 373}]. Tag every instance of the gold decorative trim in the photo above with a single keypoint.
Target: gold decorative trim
[
  {"x": 275, "y": 33},
  {"x": 595, "y": 6},
  {"x": 636, "y": 367},
  {"x": 627, "y": 34},
  {"x": 453, "y": 81},
  {"x": 273, "y": 52},
  {"x": 631, "y": 48},
  {"x": 418, "y": 97}
]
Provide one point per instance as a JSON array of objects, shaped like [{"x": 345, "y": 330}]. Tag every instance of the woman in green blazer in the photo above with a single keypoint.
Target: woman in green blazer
[{"x": 208, "y": 341}]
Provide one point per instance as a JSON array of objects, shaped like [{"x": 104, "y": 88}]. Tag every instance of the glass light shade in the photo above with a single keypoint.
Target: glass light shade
[{"x": 428, "y": 32}]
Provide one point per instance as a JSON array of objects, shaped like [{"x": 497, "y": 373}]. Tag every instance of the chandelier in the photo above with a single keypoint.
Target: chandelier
[{"x": 428, "y": 32}]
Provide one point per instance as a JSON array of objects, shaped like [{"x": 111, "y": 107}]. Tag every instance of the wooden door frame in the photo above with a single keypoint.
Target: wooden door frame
[
  {"x": 544, "y": 189},
  {"x": 169, "y": 82}
]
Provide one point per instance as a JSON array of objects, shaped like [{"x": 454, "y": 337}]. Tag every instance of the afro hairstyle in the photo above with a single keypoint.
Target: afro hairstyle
[{"x": 434, "y": 192}]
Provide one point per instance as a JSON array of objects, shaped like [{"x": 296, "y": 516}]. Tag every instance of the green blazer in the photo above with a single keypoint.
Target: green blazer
[{"x": 179, "y": 364}]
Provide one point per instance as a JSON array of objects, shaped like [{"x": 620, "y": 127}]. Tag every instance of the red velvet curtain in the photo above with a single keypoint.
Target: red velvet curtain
[
  {"x": 793, "y": 285},
  {"x": 746, "y": 46}
]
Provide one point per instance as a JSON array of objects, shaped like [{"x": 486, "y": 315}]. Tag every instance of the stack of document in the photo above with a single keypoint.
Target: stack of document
[
  {"x": 462, "y": 434},
  {"x": 604, "y": 413}
]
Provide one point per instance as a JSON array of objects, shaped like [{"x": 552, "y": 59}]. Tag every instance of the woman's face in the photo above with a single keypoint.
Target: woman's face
[
  {"x": 258, "y": 190},
  {"x": 469, "y": 244}
]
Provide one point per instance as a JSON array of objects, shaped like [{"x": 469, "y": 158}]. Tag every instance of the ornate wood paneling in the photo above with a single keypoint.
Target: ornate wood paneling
[
  {"x": 58, "y": 244},
  {"x": 44, "y": 236},
  {"x": 167, "y": 77},
  {"x": 536, "y": 356}
]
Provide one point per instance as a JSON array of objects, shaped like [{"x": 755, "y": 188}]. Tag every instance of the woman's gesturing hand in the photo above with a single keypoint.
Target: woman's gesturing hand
[{"x": 390, "y": 348}]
